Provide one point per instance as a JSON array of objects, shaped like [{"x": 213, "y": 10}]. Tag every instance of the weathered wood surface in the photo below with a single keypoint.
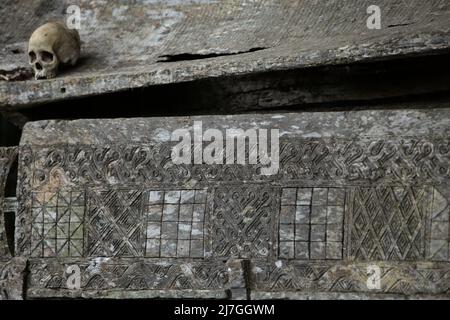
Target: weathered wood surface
[
  {"x": 7, "y": 158},
  {"x": 324, "y": 88},
  {"x": 12, "y": 278},
  {"x": 353, "y": 190},
  {"x": 12, "y": 270},
  {"x": 125, "y": 45}
]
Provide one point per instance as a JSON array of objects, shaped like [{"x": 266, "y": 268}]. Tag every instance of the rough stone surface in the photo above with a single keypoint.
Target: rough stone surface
[
  {"x": 355, "y": 191},
  {"x": 146, "y": 43}
]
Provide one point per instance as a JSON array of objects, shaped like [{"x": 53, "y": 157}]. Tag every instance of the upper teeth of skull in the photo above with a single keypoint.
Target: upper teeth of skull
[{"x": 51, "y": 45}]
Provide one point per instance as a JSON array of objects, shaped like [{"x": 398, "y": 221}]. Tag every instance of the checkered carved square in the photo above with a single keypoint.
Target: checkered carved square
[
  {"x": 311, "y": 223},
  {"x": 175, "y": 223}
]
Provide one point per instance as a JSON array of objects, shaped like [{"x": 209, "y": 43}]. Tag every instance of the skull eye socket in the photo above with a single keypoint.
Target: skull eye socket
[
  {"x": 46, "y": 56},
  {"x": 32, "y": 56}
]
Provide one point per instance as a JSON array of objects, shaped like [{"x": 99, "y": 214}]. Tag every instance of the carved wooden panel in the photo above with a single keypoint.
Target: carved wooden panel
[{"x": 135, "y": 222}]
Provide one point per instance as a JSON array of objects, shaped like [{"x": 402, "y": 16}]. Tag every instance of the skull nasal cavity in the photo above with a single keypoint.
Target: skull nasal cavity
[
  {"x": 46, "y": 56},
  {"x": 32, "y": 57},
  {"x": 38, "y": 66}
]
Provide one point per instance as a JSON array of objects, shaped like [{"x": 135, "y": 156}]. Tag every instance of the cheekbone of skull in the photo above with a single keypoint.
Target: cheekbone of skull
[{"x": 52, "y": 46}]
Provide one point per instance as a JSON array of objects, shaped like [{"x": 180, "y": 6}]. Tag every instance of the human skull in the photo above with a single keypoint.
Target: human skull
[{"x": 50, "y": 46}]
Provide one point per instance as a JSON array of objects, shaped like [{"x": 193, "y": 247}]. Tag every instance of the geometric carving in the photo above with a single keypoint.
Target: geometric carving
[
  {"x": 388, "y": 223},
  {"x": 311, "y": 223},
  {"x": 115, "y": 223},
  {"x": 243, "y": 221},
  {"x": 345, "y": 161},
  {"x": 180, "y": 222},
  {"x": 175, "y": 223},
  {"x": 331, "y": 277},
  {"x": 125, "y": 223},
  {"x": 440, "y": 228},
  {"x": 151, "y": 227},
  {"x": 57, "y": 227},
  {"x": 148, "y": 278},
  {"x": 366, "y": 160}
]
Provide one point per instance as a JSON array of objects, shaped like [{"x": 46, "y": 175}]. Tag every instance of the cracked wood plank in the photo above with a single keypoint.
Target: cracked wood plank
[{"x": 120, "y": 55}]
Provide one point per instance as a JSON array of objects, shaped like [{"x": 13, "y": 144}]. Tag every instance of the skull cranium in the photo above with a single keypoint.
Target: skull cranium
[{"x": 50, "y": 46}]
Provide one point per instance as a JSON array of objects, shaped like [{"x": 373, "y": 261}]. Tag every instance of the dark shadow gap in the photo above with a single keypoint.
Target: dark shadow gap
[
  {"x": 10, "y": 227},
  {"x": 9, "y": 134},
  {"x": 10, "y": 217},
  {"x": 411, "y": 102},
  {"x": 198, "y": 56},
  {"x": 393, "y": 84},
  {"x": 18, "y": 74}
]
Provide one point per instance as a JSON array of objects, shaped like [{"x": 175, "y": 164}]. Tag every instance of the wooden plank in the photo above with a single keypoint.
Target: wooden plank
[
  {"x": 350, "y": 190},
  {"x": 124, "y": 46}
]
